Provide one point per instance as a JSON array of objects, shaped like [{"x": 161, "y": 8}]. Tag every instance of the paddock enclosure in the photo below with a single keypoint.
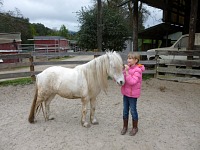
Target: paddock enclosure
[
  {"x": 168, "y": 115},
  {"x": 168, "y": 120}
]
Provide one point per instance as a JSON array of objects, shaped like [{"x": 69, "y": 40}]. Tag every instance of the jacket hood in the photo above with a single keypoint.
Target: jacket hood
[{"x": 139, "y": 66}]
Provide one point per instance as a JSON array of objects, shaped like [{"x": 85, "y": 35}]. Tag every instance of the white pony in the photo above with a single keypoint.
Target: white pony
[{"x": 84, "y": 81}]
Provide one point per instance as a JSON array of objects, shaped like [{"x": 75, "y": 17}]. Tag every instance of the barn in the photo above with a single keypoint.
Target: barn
[
  {"x": 9, "y": 44},
  {"x": 50, "y": 43}
]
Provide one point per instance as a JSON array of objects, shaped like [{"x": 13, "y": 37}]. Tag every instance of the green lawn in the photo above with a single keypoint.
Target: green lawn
[{"x": 14, "y": 82}]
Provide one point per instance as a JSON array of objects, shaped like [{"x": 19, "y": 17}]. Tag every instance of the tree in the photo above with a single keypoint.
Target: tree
[
  {"x": 63, "y": 31},
  {"x": 114, "y": 32},
  {"x": 33, "y": 30},
  {"x": 87, "y": 20},
  {"x": 136, "y": 16},
  {"x": 13, "y": 21},
  {"x": 1, "y": 3},
  {"x": 87, "y": 35},
  {"x": 40, "y": 29}
]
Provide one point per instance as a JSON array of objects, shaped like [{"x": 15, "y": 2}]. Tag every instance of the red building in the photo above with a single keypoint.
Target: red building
[
  {"x": 50, "y": 43},
  {"x": 9, "y": 44}
]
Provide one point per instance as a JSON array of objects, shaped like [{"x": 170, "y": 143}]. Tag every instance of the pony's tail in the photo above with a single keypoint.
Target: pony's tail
[{"x": 32, "y": 112}]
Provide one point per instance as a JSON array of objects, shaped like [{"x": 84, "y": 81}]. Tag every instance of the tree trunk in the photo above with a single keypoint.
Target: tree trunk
[
  {"x": 99, "y": 26},
  {"x": 135, "y": 26}
]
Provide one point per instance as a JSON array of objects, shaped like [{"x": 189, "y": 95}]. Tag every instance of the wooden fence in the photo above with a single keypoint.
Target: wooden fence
[
  {"x": 178, "y": 70},
  {"x": 163, "y": 69}
]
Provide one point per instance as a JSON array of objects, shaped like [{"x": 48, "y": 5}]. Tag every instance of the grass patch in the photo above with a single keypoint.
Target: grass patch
[
  {"x": 21, "y": 81},
  {"x": 147, "y": 76},
  {"x": 60, "y": 58}
]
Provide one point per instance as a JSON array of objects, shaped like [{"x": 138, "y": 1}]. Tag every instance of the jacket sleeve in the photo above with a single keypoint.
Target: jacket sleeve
[{"x": 132, "y": 79}]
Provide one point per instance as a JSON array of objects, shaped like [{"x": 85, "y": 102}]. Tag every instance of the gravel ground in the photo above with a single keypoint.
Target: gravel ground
[{"x": 168, "y": 120}]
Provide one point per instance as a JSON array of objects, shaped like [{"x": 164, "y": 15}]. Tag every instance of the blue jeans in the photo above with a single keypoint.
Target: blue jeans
[{"x": 130, "y": 103}]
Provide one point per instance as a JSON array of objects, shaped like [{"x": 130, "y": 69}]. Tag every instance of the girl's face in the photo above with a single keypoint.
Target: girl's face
[{"x": 131, "y": 61}]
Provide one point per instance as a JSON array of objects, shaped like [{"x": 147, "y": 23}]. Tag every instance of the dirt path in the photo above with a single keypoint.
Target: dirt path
[{"x": 168, "y": 120}]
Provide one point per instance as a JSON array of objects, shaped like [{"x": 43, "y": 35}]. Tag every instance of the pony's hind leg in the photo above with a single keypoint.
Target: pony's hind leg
[
  {"x": 93, "y": 119},
  {"x": 84, "y": 112},
  {"x": 43, "y": 102},
  {"x": 47, "y": 108}
]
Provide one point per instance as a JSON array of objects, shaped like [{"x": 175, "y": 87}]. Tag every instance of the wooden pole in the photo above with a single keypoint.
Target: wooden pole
[
  {"x": 135, "y": 26},
  {"x": 192, "y": 26},
  {"x": 32, "y": 68}
]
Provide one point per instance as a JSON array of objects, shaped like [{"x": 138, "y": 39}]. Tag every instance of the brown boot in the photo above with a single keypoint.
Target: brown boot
[
  {"x": 125, "y": 127},
  {"x": 135, "y": 128}
]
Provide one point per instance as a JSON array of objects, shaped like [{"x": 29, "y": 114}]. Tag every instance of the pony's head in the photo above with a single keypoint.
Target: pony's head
[{"x": 115, "y": 69}]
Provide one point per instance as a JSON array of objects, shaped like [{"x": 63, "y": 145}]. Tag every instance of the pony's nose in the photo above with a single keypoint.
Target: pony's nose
[{"x": 121, "y": 83}]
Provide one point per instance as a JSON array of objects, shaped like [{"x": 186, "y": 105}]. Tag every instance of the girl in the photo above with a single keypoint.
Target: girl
[{"x": 131, "y": 91}]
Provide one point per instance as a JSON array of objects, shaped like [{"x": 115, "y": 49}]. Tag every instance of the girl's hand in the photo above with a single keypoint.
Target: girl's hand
[{"x": 126, "y": 67}]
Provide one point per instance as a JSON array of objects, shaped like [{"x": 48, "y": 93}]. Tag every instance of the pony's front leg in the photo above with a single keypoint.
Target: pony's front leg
[
  {"x": 84, "y": 112},
  {"x": 93, "y": 119}
]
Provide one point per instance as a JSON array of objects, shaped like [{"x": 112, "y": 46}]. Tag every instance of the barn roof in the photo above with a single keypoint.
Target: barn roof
[
  {"x": 49, "y": 38},
  {"x": 163, "y": 4},
  {"x": 159, "y": 31},
  {"x": 176, "y": 12},
  {"x": 10, "y": 37}
]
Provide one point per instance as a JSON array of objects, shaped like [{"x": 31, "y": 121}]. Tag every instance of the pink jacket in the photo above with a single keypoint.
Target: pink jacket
[{"x": 133, "y": 81}]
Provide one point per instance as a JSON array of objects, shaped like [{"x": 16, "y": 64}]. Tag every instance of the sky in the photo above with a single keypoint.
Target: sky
[{"x": 55, "y": 13}]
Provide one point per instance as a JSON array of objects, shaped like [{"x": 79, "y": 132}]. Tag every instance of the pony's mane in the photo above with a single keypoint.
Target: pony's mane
[{"x": 96, "y": 70}]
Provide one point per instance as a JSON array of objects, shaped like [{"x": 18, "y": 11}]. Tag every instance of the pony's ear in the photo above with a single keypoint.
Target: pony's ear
[
  {"x": 108, "y": 53},
  {"x": 109, "y": 56}
]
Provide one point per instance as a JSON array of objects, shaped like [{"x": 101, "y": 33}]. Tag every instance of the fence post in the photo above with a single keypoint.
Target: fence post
[
  {"x": 32, "y": 68},
  {"x": 156, "y": 65}
]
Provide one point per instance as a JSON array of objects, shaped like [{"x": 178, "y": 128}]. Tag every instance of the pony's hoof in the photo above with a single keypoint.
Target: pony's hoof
[
  {"x": 52, "y": 118},
  {"x": 49, "y": 119},
  {"x": 86, "y": 125},
  {"x": 95, "y": 122},
  {"x": 31, "y": 120}
]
